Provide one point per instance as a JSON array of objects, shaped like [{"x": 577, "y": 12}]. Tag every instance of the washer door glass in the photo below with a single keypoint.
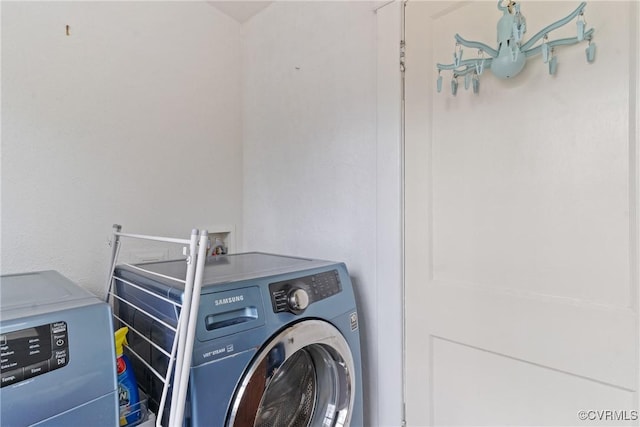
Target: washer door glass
[{"x": 303, "y": 377}]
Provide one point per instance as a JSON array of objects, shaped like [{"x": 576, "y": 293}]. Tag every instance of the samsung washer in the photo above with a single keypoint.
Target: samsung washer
[{"x": 277, "y": 339}]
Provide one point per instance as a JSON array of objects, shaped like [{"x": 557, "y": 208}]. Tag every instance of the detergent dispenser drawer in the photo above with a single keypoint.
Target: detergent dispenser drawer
[{"x": 229, "y": 312}]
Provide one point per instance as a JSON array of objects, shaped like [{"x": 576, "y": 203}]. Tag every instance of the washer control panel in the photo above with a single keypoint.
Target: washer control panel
[
  {"x": 294, "y": 296},
  {"x": 34, "y": 351}
]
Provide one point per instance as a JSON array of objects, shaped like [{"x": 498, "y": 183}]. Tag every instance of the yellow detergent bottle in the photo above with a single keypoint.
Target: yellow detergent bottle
[{"x": 127, "y": 386}]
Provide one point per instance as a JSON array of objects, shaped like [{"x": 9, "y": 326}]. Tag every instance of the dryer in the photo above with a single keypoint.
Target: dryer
[
  {"x": 58, "y": 357},
  {"x": 277, "y": 339}
]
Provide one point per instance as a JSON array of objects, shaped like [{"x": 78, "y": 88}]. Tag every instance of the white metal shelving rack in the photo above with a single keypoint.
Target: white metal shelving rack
[{"x": 179, "y": 359}]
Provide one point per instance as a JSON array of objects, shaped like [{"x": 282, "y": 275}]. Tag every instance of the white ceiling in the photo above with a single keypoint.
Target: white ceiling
[{"x": 240, "y": 10}]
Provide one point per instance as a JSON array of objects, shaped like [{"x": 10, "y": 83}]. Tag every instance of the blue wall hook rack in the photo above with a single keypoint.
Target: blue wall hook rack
[{"x": 512, "y": 52}]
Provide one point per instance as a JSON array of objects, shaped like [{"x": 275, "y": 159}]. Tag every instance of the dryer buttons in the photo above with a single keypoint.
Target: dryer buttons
[{"x": 33, "y": 351}]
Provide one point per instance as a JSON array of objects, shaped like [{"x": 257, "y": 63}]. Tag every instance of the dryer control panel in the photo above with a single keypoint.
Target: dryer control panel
[
  {"x": 295, "y": 295},
  {"x": 33, "y": 351}
]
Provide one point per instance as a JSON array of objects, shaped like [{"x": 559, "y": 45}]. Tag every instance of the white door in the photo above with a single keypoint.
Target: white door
[{"x": 522, "y": 225}]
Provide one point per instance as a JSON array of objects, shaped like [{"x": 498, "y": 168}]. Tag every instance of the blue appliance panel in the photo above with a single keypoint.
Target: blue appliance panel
[{"x": 58, "y": 356}]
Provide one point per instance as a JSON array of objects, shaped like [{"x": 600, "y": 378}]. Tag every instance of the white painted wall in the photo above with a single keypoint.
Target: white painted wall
[
  {"x": 134, "y": 118},
  {"x": 314, "y": 166},
  {"x": 145, "y": 110}
]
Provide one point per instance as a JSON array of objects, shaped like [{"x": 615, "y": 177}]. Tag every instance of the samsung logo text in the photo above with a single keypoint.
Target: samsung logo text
[{"x": 223, "y": 301}]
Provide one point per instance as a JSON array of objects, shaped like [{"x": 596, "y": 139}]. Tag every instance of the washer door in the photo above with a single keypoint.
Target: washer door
[{"x": 303, "y": 377}]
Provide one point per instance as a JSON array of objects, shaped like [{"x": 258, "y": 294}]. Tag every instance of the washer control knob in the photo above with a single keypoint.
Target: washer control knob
[{"x": 298, "y": 299}]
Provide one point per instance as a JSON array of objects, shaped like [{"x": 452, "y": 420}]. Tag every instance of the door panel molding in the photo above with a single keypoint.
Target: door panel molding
[
  {"x": 529, "y": 362},
  {"x": 512, "y": 387},
  {"x": 574, "y": 337}
]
